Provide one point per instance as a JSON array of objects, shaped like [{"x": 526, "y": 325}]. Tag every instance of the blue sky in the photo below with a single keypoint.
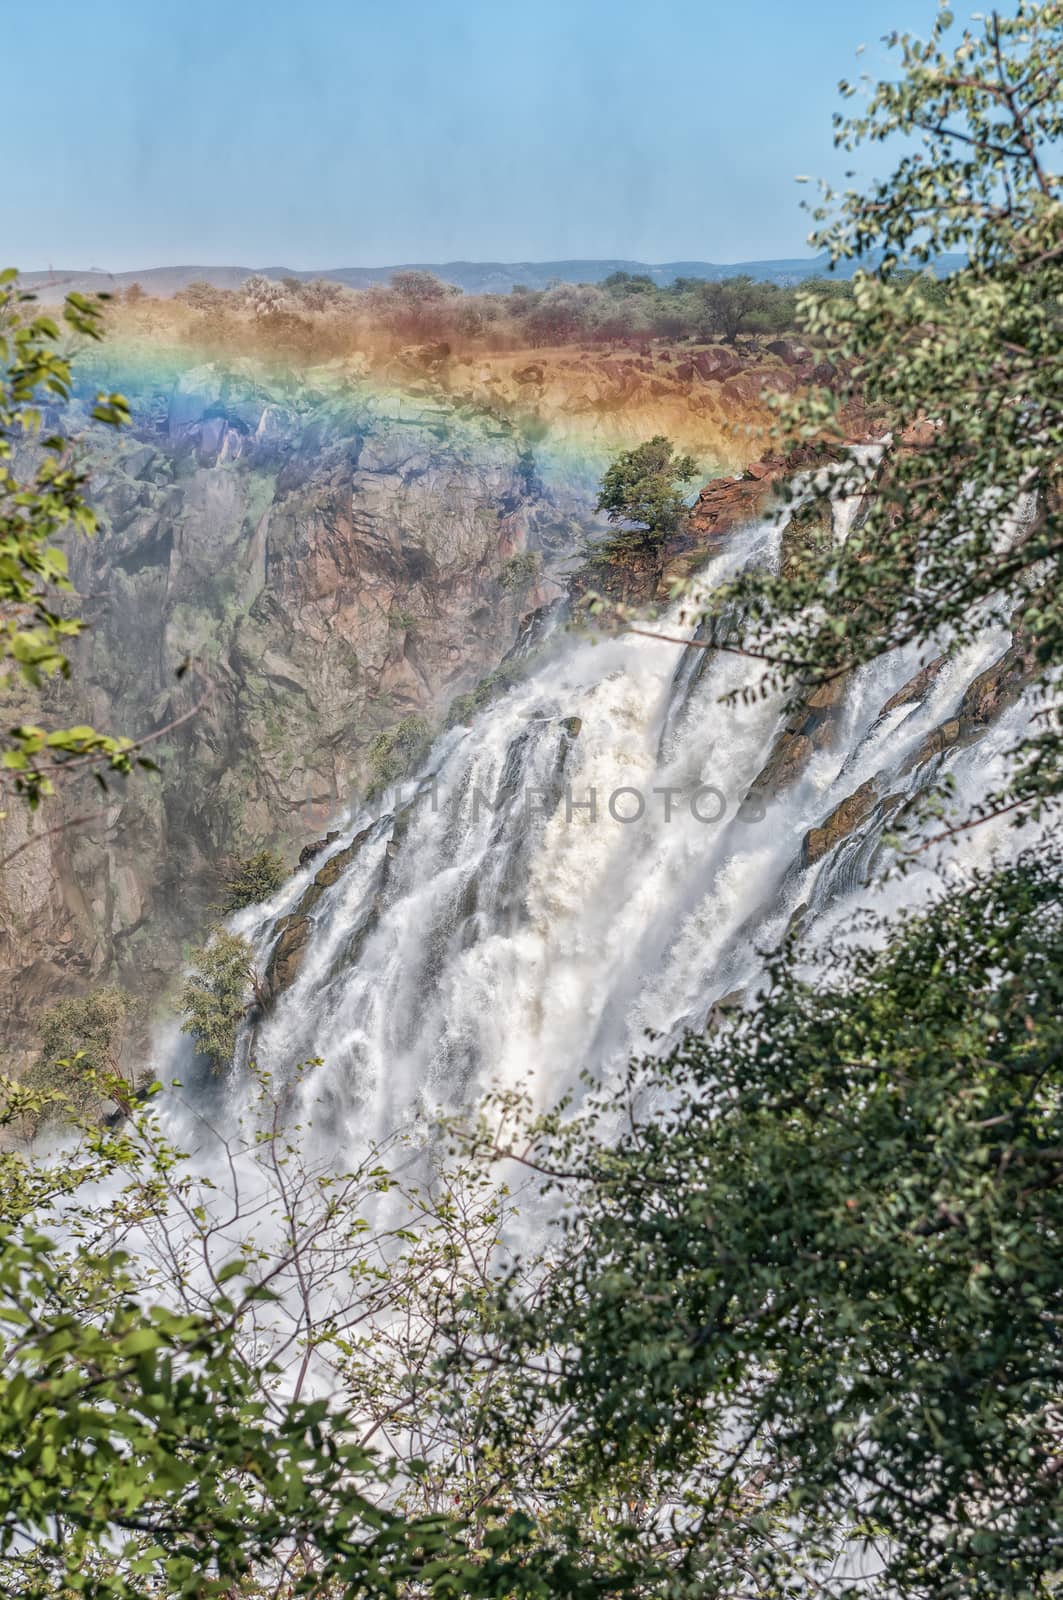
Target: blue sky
[{"x": 342, "y": 132}]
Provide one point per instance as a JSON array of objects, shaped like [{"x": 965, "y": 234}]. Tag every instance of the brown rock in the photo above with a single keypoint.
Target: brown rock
[
  {"x": 336, "y": 865},
  {"x": 916, "y": 687},
  {"x": 716, "y": 364},
  {"x": 997, "y": 688},
  {"x": 287, "y": 954},
  {"x": 727, "y": 1003},
  {"x": 990, "y": 694},
  {"x": 843, "y": 820},
  {"x": 810, "y": 728},
  {"x": 309, "y": 851},
  {"x": 918, "y": 435},
  {"x": 794, "y": 355}
]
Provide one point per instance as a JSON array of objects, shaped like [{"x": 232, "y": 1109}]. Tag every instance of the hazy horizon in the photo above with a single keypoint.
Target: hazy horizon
[{"x": 382, "y": 265}]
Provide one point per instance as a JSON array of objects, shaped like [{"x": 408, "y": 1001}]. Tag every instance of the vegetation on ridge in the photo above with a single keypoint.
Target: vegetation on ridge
[{"x": 319, "y": 320}]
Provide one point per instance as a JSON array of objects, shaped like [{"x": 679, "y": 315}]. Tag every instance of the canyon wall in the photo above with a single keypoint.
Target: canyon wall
[{"x": 322, "y": 556}]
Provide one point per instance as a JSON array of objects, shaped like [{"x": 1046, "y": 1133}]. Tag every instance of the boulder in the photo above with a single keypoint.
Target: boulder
[
  {"x": 916, "y": 687},
  {"x": 985, "y": 699},
  {"x": 811, "y": 727},
  {"x": 716, "y": 364},
  {"x": 337, "y": 865},
  {"x": 789, "y": 352}
]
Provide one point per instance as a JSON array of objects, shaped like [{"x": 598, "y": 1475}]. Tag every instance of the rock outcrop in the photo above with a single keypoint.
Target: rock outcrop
[{"x": 846, "y": 817}]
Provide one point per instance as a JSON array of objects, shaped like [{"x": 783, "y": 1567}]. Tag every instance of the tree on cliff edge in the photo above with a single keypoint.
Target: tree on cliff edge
[{"x": 642, "y": 487}]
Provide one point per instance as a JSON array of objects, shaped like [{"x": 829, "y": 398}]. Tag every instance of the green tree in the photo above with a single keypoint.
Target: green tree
[
  {"x": 519, "y": 571},
  {"x": 216, "y": 995},
  {"x": 37, "y": 507},
  {"x": 161, "y": 1432},
  {"x": 420, "y": 288},
  {"x": 964, "y": 525},
  {"x": 824, "y": 1237},
  {"x": 141, "y": 1453},
  {"x": 641, "y": 487},
  {"x": 252, "y": 879},
  {"x": 733, "y": 306}
]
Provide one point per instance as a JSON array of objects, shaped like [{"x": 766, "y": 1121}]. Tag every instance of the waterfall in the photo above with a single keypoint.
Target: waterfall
[{"x": 579, "y": 869}]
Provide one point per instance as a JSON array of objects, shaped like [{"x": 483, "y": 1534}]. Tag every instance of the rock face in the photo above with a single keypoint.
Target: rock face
[
  {"x": 326, "y": 553},
  {"x": 811, "y": 727},
  {"x": 327, "y": 557},
  {"x": 695, "y": 396}
]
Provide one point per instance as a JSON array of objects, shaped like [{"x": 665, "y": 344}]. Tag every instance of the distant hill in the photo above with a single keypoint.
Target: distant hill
[{"x": 475, "y": 277}]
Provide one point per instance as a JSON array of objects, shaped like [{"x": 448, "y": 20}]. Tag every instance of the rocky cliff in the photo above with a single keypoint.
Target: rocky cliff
[{"x": 329, "y": 555}]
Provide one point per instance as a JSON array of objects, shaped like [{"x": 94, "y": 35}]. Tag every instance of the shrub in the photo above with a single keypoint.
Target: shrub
[
  {"x": 81, "y": 1039},
  {"x": 396, "y": 750},
  {"x": 519, "y": 571},
  {"x": 215, "y": 996},
  {"x": 252, "y": 879},
  {"x": 642, "y": 487},
  {"x": 465, "y": 707}
]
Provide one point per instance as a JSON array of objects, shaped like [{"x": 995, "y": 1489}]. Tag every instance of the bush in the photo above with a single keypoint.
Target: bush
[
  {"x": 252, "y": 879},
  {"x": 215, "y": 996},
  {"x": 82, "y": 1039},
  {"x": 520, "y": 571},
  {"x": 641, "y": 487},
  {"x": 395, "y": 751},
  {"x": 465, "y": 707}
]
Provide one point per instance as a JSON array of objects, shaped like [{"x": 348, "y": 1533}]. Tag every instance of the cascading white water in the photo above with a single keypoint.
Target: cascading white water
[
  {"x": 491, "y": 927},
  {"x": 578, "y": 868}
]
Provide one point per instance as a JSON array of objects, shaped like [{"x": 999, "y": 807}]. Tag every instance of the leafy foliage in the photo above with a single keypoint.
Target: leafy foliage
[
  {"x": 252, "y": 879},
  {"x": 81, "y": 1042},
  {"x": 827, "y": 1234},
  {"x": 156, "y": 1434},
  {"x": 739, "y": 305},
  {"x": 216, "y": 995},
  {"x": 641, "y": 487},
  {"x": 964, "y": 522},
  {"x": 318, "y": 319},
  {"x": 396, "y": 751},
  {"x": 37, "y": 508},
  {"x": 519, "y": 571},
  {"x": 465, "y": 706}
]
